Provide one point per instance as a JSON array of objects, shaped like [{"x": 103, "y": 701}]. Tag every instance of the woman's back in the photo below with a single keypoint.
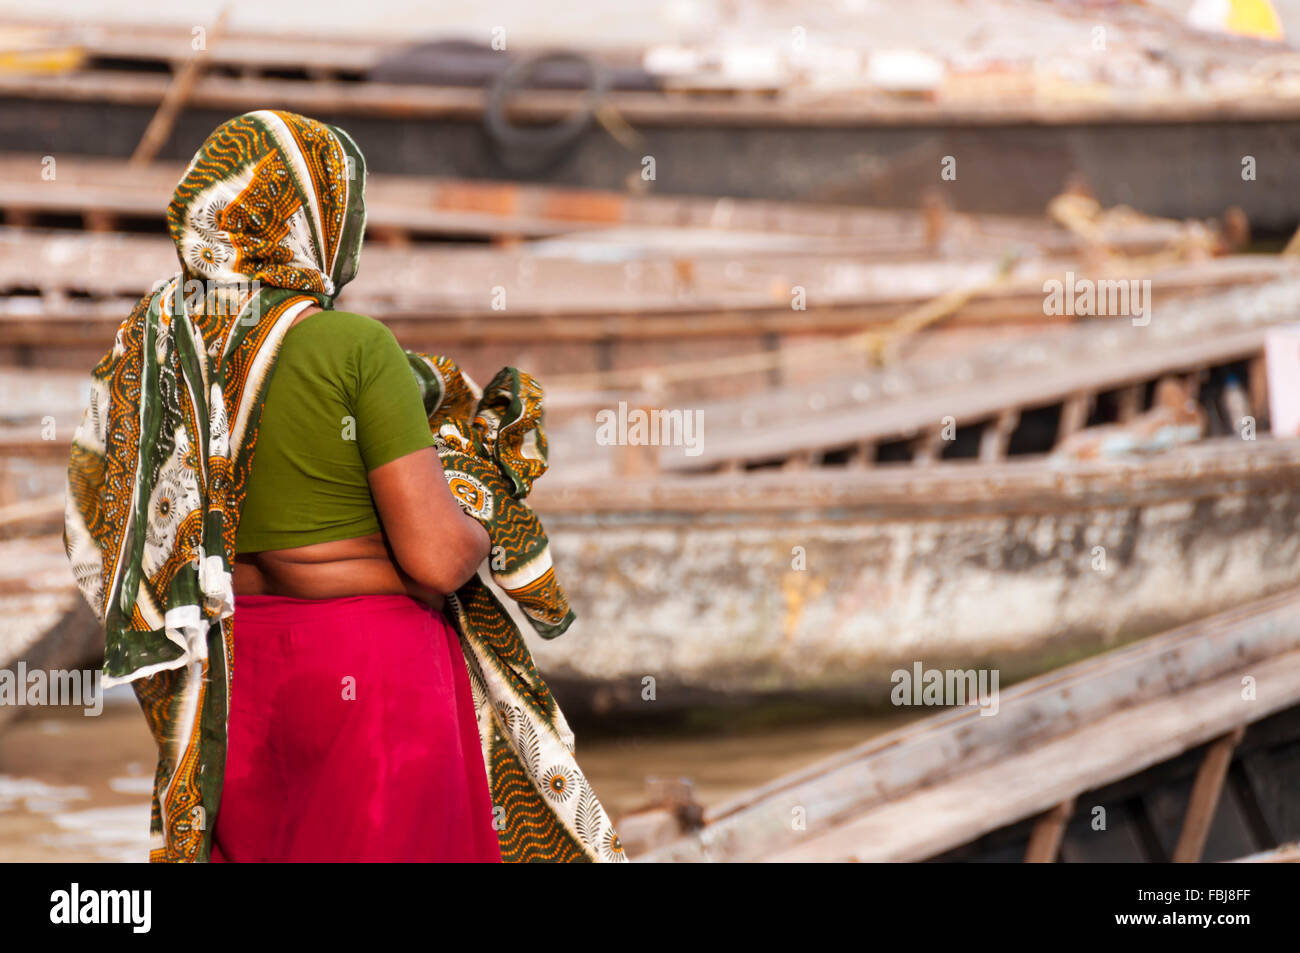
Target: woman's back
[
  {"x": 346, "y": 494},
  {"x": 341, "y": 402}
]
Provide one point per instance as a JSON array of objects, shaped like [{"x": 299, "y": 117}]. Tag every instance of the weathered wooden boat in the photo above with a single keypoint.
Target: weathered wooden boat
[
  {"x": 103, "y": 193},
  {"x": 1012, "y": 116},
  {"x": 728, "y": 589},
  {"x": 659, "y": 282},
  {"x": 818, "y": 577},
  {"x": 595, "y": 323},
  {"x": 824, "y": 582},
  {"x": 1034, "y": 406},
  {"x": 1184, "y": 746},
  {"x": 945, "y": 396}
]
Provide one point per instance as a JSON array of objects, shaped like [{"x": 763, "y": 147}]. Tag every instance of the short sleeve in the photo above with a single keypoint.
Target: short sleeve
[{"x": 390, "y": 421}]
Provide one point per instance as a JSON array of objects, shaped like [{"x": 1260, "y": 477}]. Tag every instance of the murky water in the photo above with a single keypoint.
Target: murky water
[{"x": 76, "y": 788}]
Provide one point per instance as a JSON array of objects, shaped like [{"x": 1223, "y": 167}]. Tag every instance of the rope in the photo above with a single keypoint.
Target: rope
[{"x": 524, "y": 148}]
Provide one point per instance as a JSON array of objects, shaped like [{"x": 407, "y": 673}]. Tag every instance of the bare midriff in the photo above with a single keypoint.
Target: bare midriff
[{"x": 362, "y": 565}]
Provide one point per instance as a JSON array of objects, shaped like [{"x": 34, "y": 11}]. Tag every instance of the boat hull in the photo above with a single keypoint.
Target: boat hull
[
  {"x": 823, "y": 584},
  {"x": 1174, "y": 169}
]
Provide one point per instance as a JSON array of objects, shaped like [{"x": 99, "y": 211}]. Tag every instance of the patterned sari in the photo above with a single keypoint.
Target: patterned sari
[{"x": 268, "y": 220}]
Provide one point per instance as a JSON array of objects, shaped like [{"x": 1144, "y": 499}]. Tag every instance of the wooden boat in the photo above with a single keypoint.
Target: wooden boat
[
  {"x": 822, "y": 583},
  {"x": 1180, "y": 747},
  {"x": 600, "y": 324},
  {"x": 1215, "y": 102},
  {"x": 941, "y": 397},
  {"x": 726, "y": 589},
  {"x": 818, "y": 575},
  {"x": 101, "y": 193},
  {"x": 643, "y": 283}
]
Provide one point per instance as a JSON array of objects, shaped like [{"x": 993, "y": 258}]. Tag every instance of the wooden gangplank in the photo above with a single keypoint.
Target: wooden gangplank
[{"x": 951, "y": 778}]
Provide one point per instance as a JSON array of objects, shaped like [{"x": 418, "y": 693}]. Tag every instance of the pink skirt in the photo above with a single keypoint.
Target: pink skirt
[{"x": 352, "y": 736}]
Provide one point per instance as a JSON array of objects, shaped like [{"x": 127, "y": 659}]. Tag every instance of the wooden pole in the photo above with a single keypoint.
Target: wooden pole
[
  {"x": 801, "y": 460},
  {"x": 996, "y": 436},
  {"x": 183, "y": 83},
  {"x": 863, "y": 454},
  {"x": 1074, "y": 414},
  {"x": 928, "y": 447},
  {"x": 1205, "y": 797},
  {"x": 1049, "y": 831},
  {"x": 1130, "y": 402},
  {"x": 1257, "y": 390}
]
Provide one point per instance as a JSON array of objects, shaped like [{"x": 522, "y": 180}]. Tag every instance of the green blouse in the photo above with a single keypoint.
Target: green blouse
[{"x": 342, "y": 401}]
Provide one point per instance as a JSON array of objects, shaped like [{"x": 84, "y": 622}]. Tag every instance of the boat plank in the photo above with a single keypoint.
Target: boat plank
[
  {"x": 408, "y": 102},
  {"x": 968, "y": 405},
  {"x": 458, "y": 206},
  {"x": 1045, "y": 841},
  {"x": 940, "y": 818},
  {"x": 925, "y": 756}
]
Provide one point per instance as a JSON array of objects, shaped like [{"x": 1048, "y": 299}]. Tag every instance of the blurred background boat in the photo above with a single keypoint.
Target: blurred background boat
[
  {"x": 1152, "y": 109},
  {"x": 907, "y": 454}
]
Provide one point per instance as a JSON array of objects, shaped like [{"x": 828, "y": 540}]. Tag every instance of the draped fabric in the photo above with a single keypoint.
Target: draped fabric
[
  {"x": 492, "y": 448},
  {"x": 267, "y": 221}
]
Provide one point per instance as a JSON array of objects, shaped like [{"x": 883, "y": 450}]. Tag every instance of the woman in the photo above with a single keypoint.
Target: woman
[
  {"x": 377, "y": 753},
  {"x": 239, "y": 413}
]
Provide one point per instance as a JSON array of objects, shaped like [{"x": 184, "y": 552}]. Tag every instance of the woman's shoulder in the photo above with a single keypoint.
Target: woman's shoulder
[
  {"x": 342, "y": 332},
  {"x": 349, "y": 322}
]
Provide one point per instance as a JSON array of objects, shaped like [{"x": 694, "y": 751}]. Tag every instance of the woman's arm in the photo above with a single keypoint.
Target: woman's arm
[
  {"x": 422, "y": 593},
  {"x": 434, "y": 541}
]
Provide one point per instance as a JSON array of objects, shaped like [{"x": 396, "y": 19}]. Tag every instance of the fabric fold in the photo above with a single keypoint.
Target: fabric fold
[{"x": 493, "y": 448}]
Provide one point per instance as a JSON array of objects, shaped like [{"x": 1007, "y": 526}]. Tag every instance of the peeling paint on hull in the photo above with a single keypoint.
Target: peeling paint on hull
[{"x": 706, "y": 600}]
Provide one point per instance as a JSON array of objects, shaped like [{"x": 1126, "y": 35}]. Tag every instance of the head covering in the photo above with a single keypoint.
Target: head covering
[{"x": 267, "y": 221}]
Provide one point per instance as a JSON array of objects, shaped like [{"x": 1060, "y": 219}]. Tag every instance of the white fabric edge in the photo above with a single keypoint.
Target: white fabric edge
[{"x": 184, "y": 627}]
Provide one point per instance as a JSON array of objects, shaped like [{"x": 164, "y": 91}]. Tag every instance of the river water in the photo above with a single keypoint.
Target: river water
[{"x": 77, "y": 788}]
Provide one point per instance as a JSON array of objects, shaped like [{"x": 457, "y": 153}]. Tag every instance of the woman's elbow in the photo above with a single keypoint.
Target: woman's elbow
[
  {"x": 475, "y": 545},
  {"x": 452, "y": 564},
  {"x": 482, "y": 543}
]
